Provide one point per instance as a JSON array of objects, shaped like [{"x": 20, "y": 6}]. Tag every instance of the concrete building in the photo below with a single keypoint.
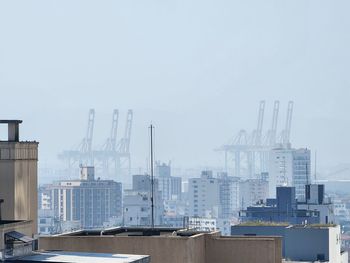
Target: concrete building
[
  {"x": 18, "y": 176},
  {"x": 252, "y": 191},
  {"x": 170, "y": 245},
  {"x": 137, "y": 209},
  {"x": 289, "y": 167},
  {"x": 170, "y": 186},
  {"x": 90, "y": 201},
  {"x": 229, "y": 190},
  {"x": 142, "y": 183},
  {"x": 282, "y": 209},
  {"x": 204, "y": 195},
  {"x": 137, "y": 203},
  {"x": 321, "y": 243},
  {"x": 316, "y": 201}
]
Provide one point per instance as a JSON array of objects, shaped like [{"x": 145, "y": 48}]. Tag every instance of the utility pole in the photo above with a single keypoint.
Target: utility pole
[{"x": 152, "y": 175}]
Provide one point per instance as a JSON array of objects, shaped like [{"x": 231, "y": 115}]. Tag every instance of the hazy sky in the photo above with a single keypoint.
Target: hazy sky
[{"x": 195, "y": 68}]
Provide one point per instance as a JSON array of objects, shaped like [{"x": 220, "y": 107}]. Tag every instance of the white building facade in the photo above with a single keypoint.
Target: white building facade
[
  {"x": 289, "y": 167},
  {"x": 204, "y": 195}
]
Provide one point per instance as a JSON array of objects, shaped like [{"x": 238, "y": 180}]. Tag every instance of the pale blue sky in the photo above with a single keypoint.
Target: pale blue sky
[{"x": 197, "y": 69}]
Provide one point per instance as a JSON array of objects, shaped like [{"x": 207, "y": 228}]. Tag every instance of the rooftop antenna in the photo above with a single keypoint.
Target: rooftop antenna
[
  {"x": 315, "y": 167},
  {"x": 151, "y": 127},
  {"x": 306, "y": 173},
  {"x": 1, "y": 201}
]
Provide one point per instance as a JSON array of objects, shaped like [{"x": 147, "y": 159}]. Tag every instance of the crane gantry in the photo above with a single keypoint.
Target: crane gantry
[
  {"x": 109, "y": 159},
  {"x": 250, "y": 151}
]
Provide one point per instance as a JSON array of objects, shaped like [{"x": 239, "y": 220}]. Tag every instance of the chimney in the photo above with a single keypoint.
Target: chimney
[{"x": 13, "y": 129}]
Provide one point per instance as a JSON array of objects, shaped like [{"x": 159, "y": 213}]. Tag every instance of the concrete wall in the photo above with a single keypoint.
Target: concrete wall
[
  {"x": 300, "y": 243},
  {"x": 161, "y": 249},
  {"x": 303, "y": 243},
  {"x": 201, "y": 248},
  {"x": 243, "y": 249},
  {"x": 239, "y": 230},
  {"x": 22, "y": 227}
]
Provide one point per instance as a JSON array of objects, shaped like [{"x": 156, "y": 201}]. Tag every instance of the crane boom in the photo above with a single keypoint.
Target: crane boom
[
  {"x": 286, "y": 133},
  {"x": 273, "y": 131},
  {"x": 256, "y": 136},
  {"x": 114, "y": 131},
  {"x": 86, "y": 145},
  {"x": 128, "y": 128}
]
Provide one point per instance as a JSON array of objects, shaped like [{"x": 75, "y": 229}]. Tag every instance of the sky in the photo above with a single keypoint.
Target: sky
[{"x": 195, "y": 69}]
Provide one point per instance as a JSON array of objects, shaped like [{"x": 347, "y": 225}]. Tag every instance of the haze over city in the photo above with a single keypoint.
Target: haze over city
[
  {"x": 196, "y": 69},
  {"x": 192, "y": 131}
]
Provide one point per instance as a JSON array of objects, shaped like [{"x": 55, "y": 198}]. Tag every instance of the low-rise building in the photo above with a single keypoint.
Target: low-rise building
[{"x": 301, "y": 243}]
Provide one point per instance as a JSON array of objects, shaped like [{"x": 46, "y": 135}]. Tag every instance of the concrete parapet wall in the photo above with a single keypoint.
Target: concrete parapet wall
[{"x": 201, "y": 248}]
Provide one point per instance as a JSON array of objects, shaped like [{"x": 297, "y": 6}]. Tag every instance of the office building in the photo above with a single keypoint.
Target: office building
[
  {"x": 170, "y": 186},
  {"x": 18, "y": 176},
  {"x": 87, "y": 200},
  {"x": 282, "y": 209},
  {"x": 204, "y": 195},
  {"x": 228, "y": 195},
  {"x": 289, "y": 167}
]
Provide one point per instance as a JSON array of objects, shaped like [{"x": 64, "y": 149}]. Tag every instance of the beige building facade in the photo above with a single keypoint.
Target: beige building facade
[
  {"x": 18, "y": 177},
  {"x": 172, "y": 248}
]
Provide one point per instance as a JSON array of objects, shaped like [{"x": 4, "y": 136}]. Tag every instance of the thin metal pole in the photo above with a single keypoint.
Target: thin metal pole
[{"x": 152, "y": 178}]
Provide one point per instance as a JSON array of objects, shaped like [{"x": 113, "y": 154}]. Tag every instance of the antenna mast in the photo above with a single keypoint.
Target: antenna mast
[
  {"x": 152, "y": 176},
  {"x": 315, "y": 167}
]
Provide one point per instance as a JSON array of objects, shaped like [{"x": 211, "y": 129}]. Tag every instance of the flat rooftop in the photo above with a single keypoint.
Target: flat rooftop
[
  {"x": 77, "y": 257},
  {"x": 135, "y": 231},
  {"x": 284, "y": 224}
]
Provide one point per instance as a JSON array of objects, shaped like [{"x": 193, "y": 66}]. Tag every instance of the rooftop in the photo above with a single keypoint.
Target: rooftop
[
  {"x": 76, "y": 257},
  {"x": 135, "y": 231},
  {"x": 263, "y": 223},
  {"x": 286, "y": 224}
]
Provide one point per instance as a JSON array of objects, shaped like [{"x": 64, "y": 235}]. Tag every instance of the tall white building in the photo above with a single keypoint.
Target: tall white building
[
  {"x": 229, "y": 196},
  {"x": 170, "y": 186},
  {"x": 301, "y": 172},
  {"x": 204, "y": 195},
  {"x": 289, "y": 167}
]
